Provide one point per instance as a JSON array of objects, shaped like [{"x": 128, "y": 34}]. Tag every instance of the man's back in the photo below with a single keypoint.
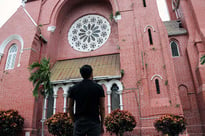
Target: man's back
[
  {"x": 87, "y": 94},
  {"x": 90, "y": 103}
]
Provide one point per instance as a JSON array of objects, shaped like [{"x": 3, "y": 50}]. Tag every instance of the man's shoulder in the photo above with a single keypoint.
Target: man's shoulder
[
  {"x": 95, "y": 83},
  {"x": 74, "y": 86}
]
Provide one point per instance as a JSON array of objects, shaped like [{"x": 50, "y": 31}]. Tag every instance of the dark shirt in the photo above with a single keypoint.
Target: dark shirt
[{"x": 86, "y": 94}]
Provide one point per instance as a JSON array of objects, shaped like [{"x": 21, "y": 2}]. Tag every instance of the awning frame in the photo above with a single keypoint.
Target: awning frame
[{"x": 80, "y": 79}]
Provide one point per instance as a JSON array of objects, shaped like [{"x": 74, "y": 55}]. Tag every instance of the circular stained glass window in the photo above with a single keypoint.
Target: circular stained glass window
[{"x": 89, "y": 33}]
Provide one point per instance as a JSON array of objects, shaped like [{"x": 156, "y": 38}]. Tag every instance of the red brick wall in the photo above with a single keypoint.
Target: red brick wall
[{"x": 139, "y": 60}]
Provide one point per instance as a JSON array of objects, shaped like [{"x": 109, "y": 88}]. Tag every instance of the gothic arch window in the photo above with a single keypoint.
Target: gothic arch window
[
  {"x": 115, "y": 97},
  {"x": 174, "y": 48},
  {"x": 114, "y": 93},
  {"x": 11, "y": 58}
]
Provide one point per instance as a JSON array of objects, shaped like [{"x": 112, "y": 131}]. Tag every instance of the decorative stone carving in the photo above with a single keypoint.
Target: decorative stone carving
[{"x": 89, "y": 33}]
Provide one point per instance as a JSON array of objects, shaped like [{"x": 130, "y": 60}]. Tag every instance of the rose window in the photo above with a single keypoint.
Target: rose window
[{"x": 89, "y": 33}]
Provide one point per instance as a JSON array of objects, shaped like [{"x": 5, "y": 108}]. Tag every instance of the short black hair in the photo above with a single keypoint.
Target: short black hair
[{"x": 86, "y": 71}]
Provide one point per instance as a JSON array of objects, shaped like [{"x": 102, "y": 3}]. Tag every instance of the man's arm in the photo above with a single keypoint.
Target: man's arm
[
  {"x": 70, "y": 109},
  {"x": 102, "y": 112}
]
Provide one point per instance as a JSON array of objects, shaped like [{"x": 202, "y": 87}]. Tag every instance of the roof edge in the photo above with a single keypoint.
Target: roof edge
[{"x": 79, "y": 79}]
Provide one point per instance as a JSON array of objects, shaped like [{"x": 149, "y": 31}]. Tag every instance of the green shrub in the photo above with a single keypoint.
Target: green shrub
[
  {"x": 11, "y": 123},
  {"x": 119, "y": 121},
  {"x": 60, "y": 124},
  {"x": 170, "y": 124}
]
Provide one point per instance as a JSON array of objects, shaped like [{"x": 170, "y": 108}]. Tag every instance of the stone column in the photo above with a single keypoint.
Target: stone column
[
  {"x": 65, "y": 95},
  {"x": 109, "y": 99},
  {"x": 55, "y": 90},
  {"x": 121, "y": 103},
  {"x": 44, "y": 114}
]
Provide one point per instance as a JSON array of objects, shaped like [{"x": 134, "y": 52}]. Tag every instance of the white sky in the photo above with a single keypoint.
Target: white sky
[
  {"x": 163, "y": 10},
  {"x": 9, "y": 7}
]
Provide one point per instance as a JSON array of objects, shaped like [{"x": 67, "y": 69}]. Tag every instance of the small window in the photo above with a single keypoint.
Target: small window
[
  {"x": 174, "y": 48},
  {"x": 10, "y": 62},
  {"x": 115, "y": 97},
  {"x": 150, "y": 37},
  {"x": 157, "y": 86},
  {"x": 144, "y": 3}
]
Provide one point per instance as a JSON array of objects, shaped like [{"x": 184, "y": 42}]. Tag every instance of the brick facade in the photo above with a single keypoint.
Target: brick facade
[{"x": 181, "y": 79}]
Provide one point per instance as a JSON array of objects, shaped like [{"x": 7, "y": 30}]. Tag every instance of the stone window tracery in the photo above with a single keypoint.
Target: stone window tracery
[
  {"x": 174, "y": 49},
  {"x": 88, "y": 33},
  {"x": 11, "y": 58},
  {"x": 115, "y": 97}
]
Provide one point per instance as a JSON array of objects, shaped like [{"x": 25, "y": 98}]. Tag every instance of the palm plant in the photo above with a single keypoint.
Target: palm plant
[{"x": 40, "y": 77}]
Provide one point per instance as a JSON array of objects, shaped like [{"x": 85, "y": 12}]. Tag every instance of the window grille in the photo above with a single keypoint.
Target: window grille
[
  {"x": 115, "y": 97},
  {"x": 174, "y": 49},
  {"x": 11, "y": 57}
]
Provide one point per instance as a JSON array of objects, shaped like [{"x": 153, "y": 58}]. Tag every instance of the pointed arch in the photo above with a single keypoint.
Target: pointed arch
[
  {"x": 118, "y": 91},
  {"x": 65, "y": 89},
  {"x": 174, "y": 45},
  {"x": 64, "y": 5}
]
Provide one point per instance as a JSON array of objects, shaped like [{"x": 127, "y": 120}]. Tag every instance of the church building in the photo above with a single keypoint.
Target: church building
[{"x": 146, "y": 66}]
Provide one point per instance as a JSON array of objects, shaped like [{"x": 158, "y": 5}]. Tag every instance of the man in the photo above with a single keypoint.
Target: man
[{"x": 89, "y": 98}]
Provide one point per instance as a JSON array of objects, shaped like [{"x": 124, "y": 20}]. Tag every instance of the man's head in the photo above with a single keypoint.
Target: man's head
[{"x": 86, "y": 71}]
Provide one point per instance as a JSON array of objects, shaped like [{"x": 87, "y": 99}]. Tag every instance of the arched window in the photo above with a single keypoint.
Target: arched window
[
  {"x": 157, "y": 86},
  {"x": 10, "y": 62},
  {"x": 115, "y": 97},
  {"x": 174, "y": 48},
  {"x": 150, "y": 37}
]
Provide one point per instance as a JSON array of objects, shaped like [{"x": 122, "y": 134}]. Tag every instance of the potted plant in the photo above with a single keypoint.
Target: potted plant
[
  {"x": 60, "y": 124},
  {"x": 119, "y": 121},
  {"x": 11, "y": 123},
  {"x": 170, "y": 124}
]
